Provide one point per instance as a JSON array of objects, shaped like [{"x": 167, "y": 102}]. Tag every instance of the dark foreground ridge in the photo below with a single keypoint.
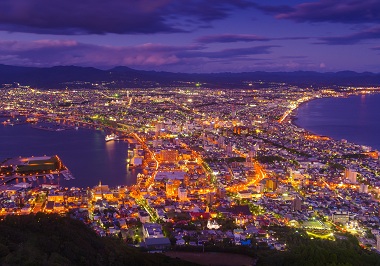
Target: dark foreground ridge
[
  {"x": 303, "y": 251},
  {"x": 124, "y": 77},
  {"x": 43, "y": 239}
]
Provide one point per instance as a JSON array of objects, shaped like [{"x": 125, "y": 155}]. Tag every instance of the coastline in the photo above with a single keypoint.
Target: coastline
[
  {"x": 293, "y": 118},
  {"x": 293, "y": 115}
]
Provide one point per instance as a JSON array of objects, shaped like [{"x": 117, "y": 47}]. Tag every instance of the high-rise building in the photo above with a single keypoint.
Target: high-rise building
[
  {"x": 210, "y": 198},
  {"x": 182, "y": 194},
  {"x": 363, "y": 188},
  {"x": 229, "y": 148},
  {"x": 221, "y": 141},
  {"x": 172, "y": 188},
  {"x": 159, "y": 127},
  {"x": 297, "y": 204},
  {"x": 271, "y": 185},
  {"x": 221, "y": 192},
  {"x": 351, "y": 175}
]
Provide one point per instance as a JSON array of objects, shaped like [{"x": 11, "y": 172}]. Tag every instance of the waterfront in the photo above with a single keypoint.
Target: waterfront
[
  {"x": 355, "y": 118},
  {"x": 83, "y": 151}
]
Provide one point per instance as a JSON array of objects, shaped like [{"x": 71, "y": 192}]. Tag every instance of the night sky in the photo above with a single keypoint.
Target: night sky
[{"x": 193, "y": 35}]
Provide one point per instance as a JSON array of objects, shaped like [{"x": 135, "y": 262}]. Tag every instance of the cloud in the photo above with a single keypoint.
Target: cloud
[
  {"x": 294, "y": 56},
  {"x": 342, "y": 11},
  {"x": 72, "y": 17},
  {"x": 367, "y": 34},
  {"x": 52, "y": 52},
  {"x": 230, "y": 38},
  {"x": 376, "y": 48},
  {"x": 68, "y": 52},
  {"x": 232, "y": 53}
]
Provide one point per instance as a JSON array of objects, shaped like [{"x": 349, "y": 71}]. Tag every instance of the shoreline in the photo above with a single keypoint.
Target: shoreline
[{"x": 293, "y": 117}]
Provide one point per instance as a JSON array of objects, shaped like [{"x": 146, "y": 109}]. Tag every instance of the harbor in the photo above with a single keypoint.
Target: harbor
[
  {"x": 31, "y": 170},
  {"x": 84, "y": 152}
]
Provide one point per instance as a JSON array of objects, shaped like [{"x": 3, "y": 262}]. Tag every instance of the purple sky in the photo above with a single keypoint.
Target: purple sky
[{"x": 193, "y": 35}]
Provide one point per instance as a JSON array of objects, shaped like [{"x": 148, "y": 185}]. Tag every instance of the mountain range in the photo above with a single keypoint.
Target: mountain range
[{"x": 125, "y": 77}]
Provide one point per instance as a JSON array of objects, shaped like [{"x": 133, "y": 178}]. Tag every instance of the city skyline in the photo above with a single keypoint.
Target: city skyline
[{"x": 196, "y": 36}]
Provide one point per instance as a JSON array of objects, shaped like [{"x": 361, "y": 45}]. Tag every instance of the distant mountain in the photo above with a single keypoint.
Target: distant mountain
[{"x": 125, "y": 77}]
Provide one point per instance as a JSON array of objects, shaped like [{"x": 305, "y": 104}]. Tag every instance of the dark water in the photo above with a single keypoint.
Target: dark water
[
  {"x": 355, "y": 118},
  {"x": 84, "y": 151}
]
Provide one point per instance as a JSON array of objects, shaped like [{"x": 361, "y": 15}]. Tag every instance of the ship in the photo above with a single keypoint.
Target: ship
[
  {"x": 111, "y": 137},
  {"x": 67, "y": 175}
]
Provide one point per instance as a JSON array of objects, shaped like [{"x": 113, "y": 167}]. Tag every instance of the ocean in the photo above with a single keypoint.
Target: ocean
[
  {"x": 355, "y": 118},
  {"x": 84, "y": 151}
]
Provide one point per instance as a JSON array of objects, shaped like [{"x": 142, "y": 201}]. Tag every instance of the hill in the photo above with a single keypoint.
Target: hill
[
  {"x": 124, "y": 77},
  {"x": 54, "y": 240},
  {"x": 303, "y": 251}
]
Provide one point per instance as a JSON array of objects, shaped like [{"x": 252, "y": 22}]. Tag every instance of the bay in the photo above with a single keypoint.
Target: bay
[
  {"x": 84, "y": 152},
  {"x": 355, "y": 118}
]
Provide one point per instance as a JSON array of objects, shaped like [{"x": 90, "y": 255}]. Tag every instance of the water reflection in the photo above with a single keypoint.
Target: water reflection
[{"x": 83, "y": 151}]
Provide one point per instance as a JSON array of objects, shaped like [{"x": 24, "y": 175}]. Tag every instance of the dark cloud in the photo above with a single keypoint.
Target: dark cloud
[
  {"x": 343, "y": 11},
  {"x": 207, "y": 10},
  {"x": 232, "y": 53},
  {"x": 274, "y": 9},
  {"x": 294, "y": 56},
  {"x": 229, "y": 38},
  {"x": 55, "y": 52},
  {"x": 52, "y": 53},
  {"x": 371, "y": 33},
  {"x": 376, "y": 48},
  {"x": 72, "y": 17}
]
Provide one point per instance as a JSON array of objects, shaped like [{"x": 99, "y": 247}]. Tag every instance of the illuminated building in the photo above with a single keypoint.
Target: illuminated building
[
  {"x": 34, "y": 164},
  {"x": 159, "y": 128},
  {"x": 172, "y": 188},
  {"x": 221, "y": 141},
  {"x": 221, "y": 192},
  {"x": 341, "y": 217},
  {"x": 56, "y": 197},
  {"x": 244, "y": 194},
  {"x": 182, "y": 194},
  {"x": 172, "y": 175},
  {"x": 229, "y": 148},
  {"x": 101, "y": 192},
  {"x": 363, "y": 188},
  {"x": 297, "y": 204},
  {"x": 213, "y": 225},
  {"x": 268, "y": 185},
  {"x": 170, "y": 156},
  {"x": 144, "y": 217},
  {"x": 152, "y": 230},
  {"x": 136, "y": 161},
  {"x": 350, "y": 175},
  {"x": 210, "y": 198}
]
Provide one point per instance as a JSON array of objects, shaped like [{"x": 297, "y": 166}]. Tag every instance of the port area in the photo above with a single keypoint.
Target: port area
[
  {"x": 51, "y": 126},
  {"x": 29, "y": 170}
]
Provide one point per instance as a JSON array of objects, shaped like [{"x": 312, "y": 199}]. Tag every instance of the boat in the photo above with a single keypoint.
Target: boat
[
  {"x": 67, "y": 175},
  {"x": 111, "y": 137}
]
